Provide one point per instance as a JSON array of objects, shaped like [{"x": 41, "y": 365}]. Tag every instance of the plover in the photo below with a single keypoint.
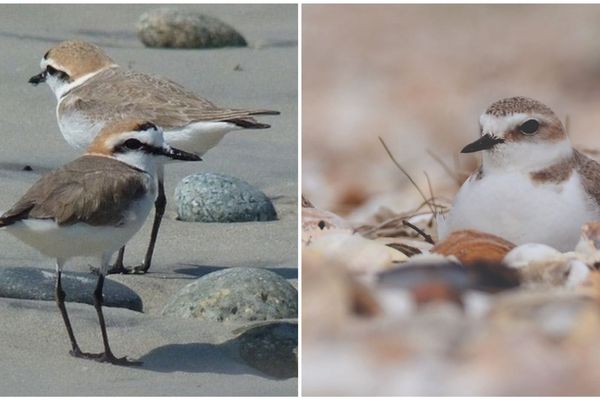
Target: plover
[
  {"x": 92, "y": 206},
  {"x": 532, "y": 186},
  {"x": 92, "y": 90}
]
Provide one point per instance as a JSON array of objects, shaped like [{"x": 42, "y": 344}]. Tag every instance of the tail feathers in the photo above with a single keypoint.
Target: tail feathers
[
  {"x": 15, "y": 214},
  {"x": 249, "y": 123},
  {"x": 264, "y": 112},
  {"x": 7, "y": 221}
]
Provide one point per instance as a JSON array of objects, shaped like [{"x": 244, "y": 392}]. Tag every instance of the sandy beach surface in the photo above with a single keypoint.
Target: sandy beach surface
[{"x": 181, "y": 357}]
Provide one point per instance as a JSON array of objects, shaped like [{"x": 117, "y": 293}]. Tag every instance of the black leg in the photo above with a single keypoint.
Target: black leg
[
  {"x": 159, "y": 210},
  {"x": 107, "y": 356},
  {"x": 119, "y": 267},
  {"x": 159, "y": 205},
  {"x": 60, "y": 301}
]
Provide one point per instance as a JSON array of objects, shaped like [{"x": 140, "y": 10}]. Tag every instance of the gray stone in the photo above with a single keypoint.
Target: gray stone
[
  {"x": 236, "y": 294},
  {"x": 165, "y": 27},
  {"x": 271, "y": 349},
  {"x": 38, "y": 284},
  {"x": 210, "y": 197}
]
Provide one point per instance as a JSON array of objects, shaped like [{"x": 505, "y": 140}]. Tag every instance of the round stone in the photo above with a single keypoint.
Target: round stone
[
  {"x": 38, "y": 284},
  {"x": 236, "y": 294},
  {"x": 210, "y": 197},
  {"x": 271, "y": 349},
  {"x": 172, "y": 28}
]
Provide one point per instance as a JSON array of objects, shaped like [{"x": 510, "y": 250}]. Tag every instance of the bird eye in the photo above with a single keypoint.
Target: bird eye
[
  {"x": 529, "y": 127},
  {"x": 51, "y": 70},
  {"x": 132, "y": 144}
]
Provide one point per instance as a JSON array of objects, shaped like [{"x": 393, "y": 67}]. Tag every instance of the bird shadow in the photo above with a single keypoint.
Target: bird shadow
[
  {"x": 197, "y": 270},
  {"x": 198, "y": 358}
]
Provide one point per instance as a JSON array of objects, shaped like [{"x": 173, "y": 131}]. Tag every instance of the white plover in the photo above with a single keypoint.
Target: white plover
[{"x": 532, "y": 186}]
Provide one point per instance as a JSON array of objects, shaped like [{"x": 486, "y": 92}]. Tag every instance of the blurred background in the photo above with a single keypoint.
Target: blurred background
[{"x": 419, "y": 76}]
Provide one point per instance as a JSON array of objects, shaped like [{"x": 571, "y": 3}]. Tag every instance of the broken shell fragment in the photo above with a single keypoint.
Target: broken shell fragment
[
  {"x": 356, "y": 253},
  {"x": 471, "y": 246}
]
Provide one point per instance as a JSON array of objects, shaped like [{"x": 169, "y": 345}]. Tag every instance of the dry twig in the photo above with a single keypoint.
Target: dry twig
[
  {"x": 405, "y": 173},
  {"x": 427, "y": 237}
]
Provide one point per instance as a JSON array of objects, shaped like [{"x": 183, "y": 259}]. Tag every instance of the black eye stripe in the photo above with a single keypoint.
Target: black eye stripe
[{"x": 57, "y": 72}]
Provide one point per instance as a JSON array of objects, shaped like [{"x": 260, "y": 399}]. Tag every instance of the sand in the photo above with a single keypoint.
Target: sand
[{"x": 181, "y": 357}]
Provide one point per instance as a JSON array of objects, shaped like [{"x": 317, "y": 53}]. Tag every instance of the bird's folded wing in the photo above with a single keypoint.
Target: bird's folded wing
[{"x": 93, "y": 190}]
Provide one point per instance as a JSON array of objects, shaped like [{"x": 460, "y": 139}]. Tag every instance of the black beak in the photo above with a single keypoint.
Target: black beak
[
  {"x": 485, "y": 142},
  {"x": 37, "y": 79},
  {"x": 177, "y": 154}
]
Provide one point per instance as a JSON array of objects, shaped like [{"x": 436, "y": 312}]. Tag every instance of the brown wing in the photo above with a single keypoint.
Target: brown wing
[
  {"x": 124, "y": 94},
  {"x": 590, "y": 174},
  {"x": 94, "y": 190}
]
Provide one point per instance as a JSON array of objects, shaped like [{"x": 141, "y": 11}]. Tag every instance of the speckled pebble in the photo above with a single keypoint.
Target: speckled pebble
[
  {"x": 211, "y": 197},
  {"x": 236, "y": 294},
  {"x": 271, "y": 349}
]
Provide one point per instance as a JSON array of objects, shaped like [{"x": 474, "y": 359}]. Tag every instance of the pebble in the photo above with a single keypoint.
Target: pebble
[
  {"x": 271, "y": 349},
  {"x": 38, "y": 284},
  {"x": 211, "y": 197},
  {"x": 236, "y": 294},
  {"x": 172, "y": 28}
]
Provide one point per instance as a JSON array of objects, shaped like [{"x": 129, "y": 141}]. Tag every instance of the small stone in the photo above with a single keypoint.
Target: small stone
[
  {"x": 172, "y": 28},
  {"x": 236, "y": 294},
  {"x": 272, "y": 349},
  {"x": 38, "y": 284},
  {"x": 210, "y": 197}
]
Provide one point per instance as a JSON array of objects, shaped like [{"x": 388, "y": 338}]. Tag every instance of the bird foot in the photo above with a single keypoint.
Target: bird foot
[
  {"x": 120, "y": 269},
  {"x": 89, "y": 356},
  {"x": 124, "y": 361},
  {"x": 104, "y": 357}
]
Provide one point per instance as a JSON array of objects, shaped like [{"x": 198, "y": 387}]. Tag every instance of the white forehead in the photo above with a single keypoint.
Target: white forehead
[{"x": 498, "y": 125}]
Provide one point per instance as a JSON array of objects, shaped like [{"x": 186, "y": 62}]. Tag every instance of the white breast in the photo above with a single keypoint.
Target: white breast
[
  {"x": 511, "y": 206},
  {"x": 81, "y": 239},
  {"x": 77, "y": 130}
]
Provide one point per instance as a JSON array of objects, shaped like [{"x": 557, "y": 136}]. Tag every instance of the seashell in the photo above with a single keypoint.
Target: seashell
[
  {"x": 521, "y": 256},
  {"x": 316, "y": 222},
  {"x": 356, "y": 253},
  {"x": 436, "y": 291},
  {"x": 588, "y": 247},
  {"x": 541, "y": 264},
  {"x": 590, "y": 286},
  {"x": 331, "y": 295},
  {"x": 471, "y": 246},
  {"x": 433, "y": 275}
]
